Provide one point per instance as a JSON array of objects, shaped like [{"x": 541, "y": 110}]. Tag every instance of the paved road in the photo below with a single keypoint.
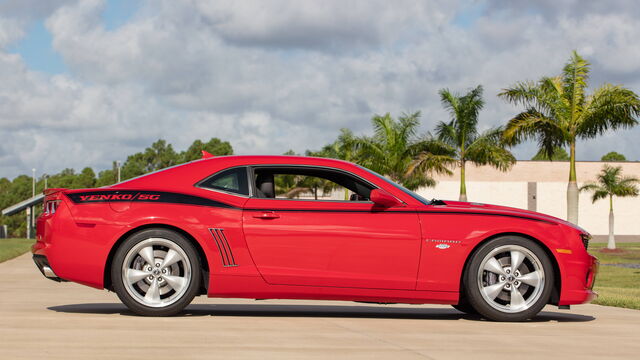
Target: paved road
[{"x": 41, "y": 319}]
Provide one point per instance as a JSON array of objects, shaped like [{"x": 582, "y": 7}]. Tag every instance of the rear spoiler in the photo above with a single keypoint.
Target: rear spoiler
[
  {"x": 206, "y": 154},
  {"x": 52, "y": 191}
]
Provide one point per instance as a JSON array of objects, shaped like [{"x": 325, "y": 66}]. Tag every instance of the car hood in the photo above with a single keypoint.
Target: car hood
[{"x": 473, "y": 207}]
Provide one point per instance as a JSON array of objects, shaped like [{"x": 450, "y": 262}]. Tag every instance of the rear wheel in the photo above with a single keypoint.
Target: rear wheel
[
  {"x": 156, "y": 272},
  {"x": 509, "y": 279}
]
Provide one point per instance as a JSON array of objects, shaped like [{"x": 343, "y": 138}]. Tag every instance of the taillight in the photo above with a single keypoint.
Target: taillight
[
  {"x": 52, "y": 198},
  {"x": 50, "y": 206}
]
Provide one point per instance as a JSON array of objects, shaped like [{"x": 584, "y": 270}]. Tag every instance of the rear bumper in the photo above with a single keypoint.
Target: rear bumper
[{"x": 45, "y": 268}]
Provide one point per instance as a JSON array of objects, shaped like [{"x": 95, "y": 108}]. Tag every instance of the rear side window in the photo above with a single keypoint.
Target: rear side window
[{"x": 231, "y": 180}]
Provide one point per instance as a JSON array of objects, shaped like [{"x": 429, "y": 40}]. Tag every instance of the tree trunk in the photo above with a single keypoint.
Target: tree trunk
[
  {"x": 572, "y": 202},
  {"x": 572, "y": 188},
  {"x": 612, "y": 241},
  {"x": 463, "y": 185}
]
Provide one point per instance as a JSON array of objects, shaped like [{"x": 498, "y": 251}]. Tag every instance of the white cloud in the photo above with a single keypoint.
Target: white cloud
[
  {"x": 17, "y": 15},
  {"x": 279, "y": 75},
  {"x": 307, "y": 24},
  {"x": 10, "y": 31}
]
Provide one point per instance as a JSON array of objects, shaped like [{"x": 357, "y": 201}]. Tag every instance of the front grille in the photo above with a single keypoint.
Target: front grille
[{"x": 585, "y": 240}]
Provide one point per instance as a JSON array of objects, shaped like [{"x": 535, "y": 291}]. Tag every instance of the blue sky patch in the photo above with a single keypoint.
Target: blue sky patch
[
  {"x": 36, "y": 49},
  {"x": 119, "y": 12},
  {"x": 469, "y": 14}
]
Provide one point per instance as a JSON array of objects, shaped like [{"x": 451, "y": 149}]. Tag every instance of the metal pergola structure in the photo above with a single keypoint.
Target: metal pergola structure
[{"x": 28, "y": 206}]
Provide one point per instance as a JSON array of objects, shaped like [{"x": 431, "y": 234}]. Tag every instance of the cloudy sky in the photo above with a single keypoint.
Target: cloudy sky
[{"x": 83, "y": 83}]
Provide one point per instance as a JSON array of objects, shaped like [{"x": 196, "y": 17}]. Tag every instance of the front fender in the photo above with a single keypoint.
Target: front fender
[{"x": 448, "y": 240}]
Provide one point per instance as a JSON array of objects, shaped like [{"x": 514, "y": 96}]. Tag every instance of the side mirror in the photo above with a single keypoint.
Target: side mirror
[{"x": 383, "y": 198}]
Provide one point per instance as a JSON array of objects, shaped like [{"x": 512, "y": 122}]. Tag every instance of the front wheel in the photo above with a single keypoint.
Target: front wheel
[
  {"x": 465, "y": 308},
  {"x": 156, "y": 272},
  {"x": 509, "y": 279}
]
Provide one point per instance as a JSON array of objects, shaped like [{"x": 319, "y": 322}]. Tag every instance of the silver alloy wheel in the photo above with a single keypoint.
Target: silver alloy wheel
[
  {"x": 511, "y": 278},
  {"x": 156, "y": 272}
]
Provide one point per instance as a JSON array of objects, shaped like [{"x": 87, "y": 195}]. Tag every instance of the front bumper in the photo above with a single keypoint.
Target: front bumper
[
  {"x": 593, "y": 271},
  {"x": 43, "y": 265},
  {"x": 577, "y": 286}
]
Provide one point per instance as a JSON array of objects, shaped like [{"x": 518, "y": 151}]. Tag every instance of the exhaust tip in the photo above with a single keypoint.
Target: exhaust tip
[{"x": 48, "y": 272}]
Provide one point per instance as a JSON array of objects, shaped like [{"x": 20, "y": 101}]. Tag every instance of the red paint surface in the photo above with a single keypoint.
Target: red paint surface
[{"x": 303, "y": 249}]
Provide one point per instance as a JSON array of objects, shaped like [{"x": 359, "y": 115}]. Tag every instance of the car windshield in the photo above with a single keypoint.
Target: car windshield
[{"x": 398, "y": 186}]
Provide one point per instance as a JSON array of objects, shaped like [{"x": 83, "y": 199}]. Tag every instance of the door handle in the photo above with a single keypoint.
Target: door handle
[{"x": 267, "y": 215}]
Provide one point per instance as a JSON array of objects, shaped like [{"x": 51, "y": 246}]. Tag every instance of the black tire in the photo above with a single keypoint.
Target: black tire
[
  {"x": 191, "y": 269},
  {"x": 500, "y": 309},
  {"x": 465, "y": 307}
]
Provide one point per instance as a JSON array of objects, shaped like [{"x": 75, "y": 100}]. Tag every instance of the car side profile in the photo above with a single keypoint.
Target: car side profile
[{"x": 244, "y": 227}]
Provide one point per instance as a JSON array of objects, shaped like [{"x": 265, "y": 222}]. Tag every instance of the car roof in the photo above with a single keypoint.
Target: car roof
[
  {"x": 188, "y": 173},
  {"x": 265, "y": 159}
]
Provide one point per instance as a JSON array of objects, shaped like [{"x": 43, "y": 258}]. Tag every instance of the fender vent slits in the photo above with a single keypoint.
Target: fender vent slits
[{"x": 223, "y": 246}]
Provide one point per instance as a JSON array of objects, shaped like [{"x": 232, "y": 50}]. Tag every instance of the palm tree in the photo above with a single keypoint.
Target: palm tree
[
  {"x": 396, "y": 152},
  {"x": 558, "y": 112},
  {"x": 611, "y": 183},
  {"x": 292, "y": 186},
  {"x": 559, "y": 154},
  {"x": 461, "y": 137},
  {"x": 344, "y": 148}
]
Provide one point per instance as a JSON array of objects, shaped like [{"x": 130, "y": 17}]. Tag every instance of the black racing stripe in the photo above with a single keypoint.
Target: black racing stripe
[
  {"x": 336, "y": 210},
  {"x": 102, "y": 196},
  {"x": 486, "y": 214}
]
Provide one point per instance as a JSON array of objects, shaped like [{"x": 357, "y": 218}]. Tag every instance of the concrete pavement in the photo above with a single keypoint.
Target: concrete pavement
[{"x": 41, "y": 319}]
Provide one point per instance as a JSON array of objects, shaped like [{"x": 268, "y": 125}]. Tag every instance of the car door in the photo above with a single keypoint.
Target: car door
[{"x": 304, "y": 241}]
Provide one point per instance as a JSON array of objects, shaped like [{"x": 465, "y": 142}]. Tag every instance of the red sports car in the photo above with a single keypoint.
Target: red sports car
[{"x": 245, "y": 227}]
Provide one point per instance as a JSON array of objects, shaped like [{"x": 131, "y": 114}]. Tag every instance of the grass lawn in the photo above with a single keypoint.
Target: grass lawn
[
  {"x": 618, "y": 286},
  {"x": 10, "y": 248}
]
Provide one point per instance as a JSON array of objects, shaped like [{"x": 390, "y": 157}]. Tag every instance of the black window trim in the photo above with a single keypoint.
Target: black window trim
[
  {"x": 249, "y": 182},
  {"x": 252, "y": 193}
]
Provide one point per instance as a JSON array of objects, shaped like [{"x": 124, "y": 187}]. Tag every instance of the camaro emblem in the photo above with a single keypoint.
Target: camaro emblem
[{"x": 443, "y": 244}]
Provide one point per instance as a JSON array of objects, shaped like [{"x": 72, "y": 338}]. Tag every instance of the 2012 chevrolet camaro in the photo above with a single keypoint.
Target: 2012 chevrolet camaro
[{"x": 244, "y": 227}]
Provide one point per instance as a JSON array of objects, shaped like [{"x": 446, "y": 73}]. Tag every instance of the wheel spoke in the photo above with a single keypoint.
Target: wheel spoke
[
  {"x": 171, "y": 258},
  {"x": 153, "y": 294},
  {"x": 517, "y": 301},
  {"x": 147, "y": 255},
  {"x": 533, "y": 278},
  {"x": 176, "y": 282},
  {"x": 492, "y": 291},
  {"x": 494, "y": 266},
  {"x": 516, "y": 260},
  {"x": 133, "y": 275}
]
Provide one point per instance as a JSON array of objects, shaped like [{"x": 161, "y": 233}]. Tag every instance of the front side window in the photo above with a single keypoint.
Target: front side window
[
  {"x": 231, "y": 180},
  {"x": 308, "y": 184}
]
